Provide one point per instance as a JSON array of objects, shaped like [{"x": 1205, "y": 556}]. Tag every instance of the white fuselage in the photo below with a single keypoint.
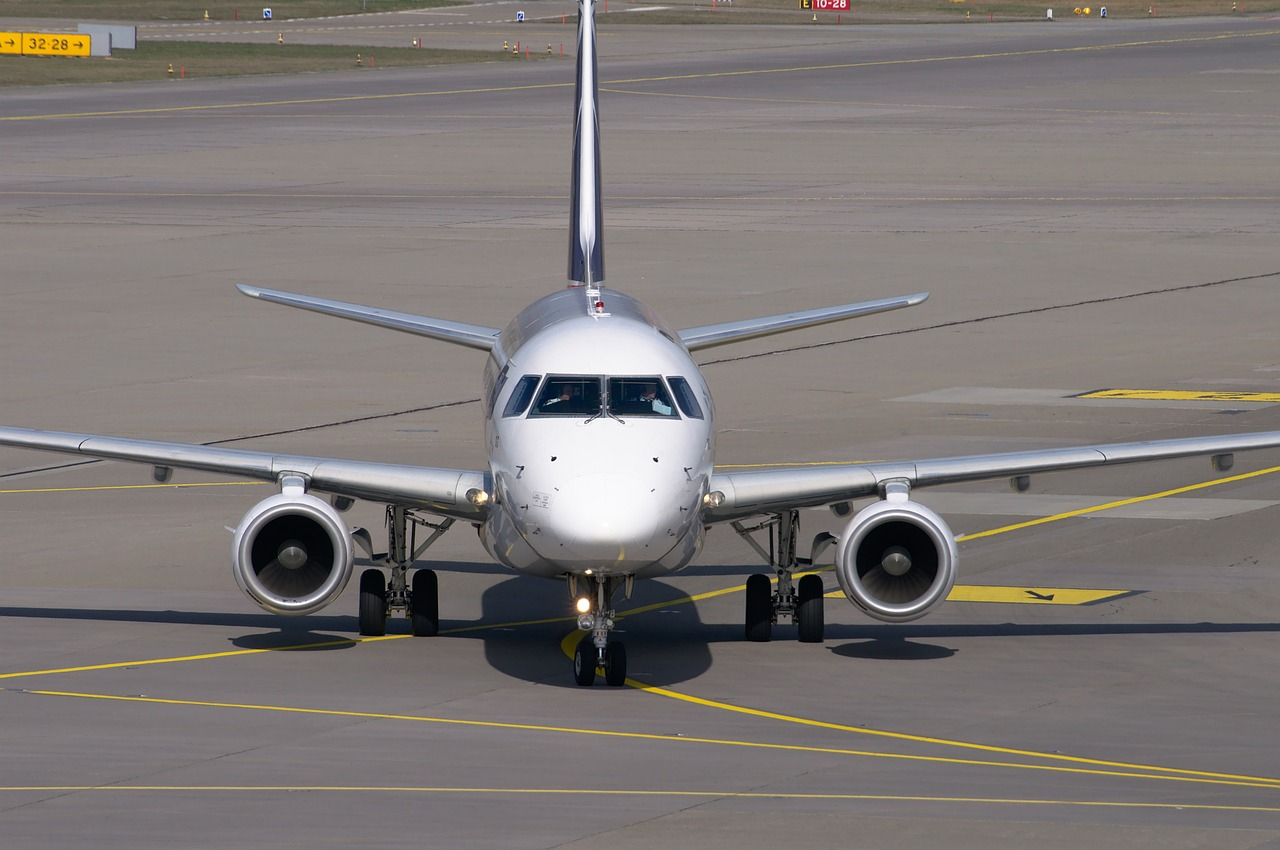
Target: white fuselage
[{"x": 599, "y": 432}]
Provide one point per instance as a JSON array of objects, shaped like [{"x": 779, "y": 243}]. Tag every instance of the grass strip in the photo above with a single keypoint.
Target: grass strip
[
  {"x": 196, "y": 59},
  {"x": 140, "y": 11}
]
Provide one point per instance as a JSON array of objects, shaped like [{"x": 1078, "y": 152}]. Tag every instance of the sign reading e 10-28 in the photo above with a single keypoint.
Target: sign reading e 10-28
[{"x": 825, "y": 5}]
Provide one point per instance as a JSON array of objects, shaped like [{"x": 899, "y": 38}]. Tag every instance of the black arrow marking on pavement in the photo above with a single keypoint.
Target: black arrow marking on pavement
[{"x": 1043, "y": 597}]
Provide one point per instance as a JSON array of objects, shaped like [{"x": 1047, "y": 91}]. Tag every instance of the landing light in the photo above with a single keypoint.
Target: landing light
[
  {"x": 477, "y": 497},
  {"x": 584, "y": 605},
  {"x": 714, "y": 499}
]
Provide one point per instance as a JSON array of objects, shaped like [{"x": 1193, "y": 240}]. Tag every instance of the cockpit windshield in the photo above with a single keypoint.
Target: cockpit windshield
[
  {"x": 568, "y": 395},
  {"x": 644, "y": 396},
  {"x": 583, "y": 395}
]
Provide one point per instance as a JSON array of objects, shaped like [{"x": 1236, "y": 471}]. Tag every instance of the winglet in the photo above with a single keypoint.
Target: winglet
[{"x": 586, "y": 212}]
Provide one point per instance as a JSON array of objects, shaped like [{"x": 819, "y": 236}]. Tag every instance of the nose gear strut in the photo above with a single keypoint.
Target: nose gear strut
[{"x": 596, "y": 618}]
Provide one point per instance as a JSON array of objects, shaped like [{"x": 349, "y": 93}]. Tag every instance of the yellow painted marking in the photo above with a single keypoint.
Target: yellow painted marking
[
  {"x": 634, "y": 792},
  {"x": 1116, "y": 768},
  {"x": 1032, "y": 595},
  {"x": 54, "y": 44},
  {"x": 785, "y": 464},
  {"x": 10, "y": 42},
  {"x": 116, "y": 665},
  {"x": 135, "y": 487},
  {"x": 1079, "y": 766},
  {"x": 1022, "y": 594},
  {"x": 1184, "y": 395},
  {"x": 1118, "y": 504},
  {"x": 719, "y": 74}
]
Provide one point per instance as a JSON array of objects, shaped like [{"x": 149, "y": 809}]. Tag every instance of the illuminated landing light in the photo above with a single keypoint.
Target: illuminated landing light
[{"x": 584, "y": 605}]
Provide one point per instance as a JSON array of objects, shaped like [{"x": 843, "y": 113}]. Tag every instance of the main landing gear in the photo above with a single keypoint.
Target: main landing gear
[
  {"x": 380, "y": 596},
  {"x": 595, "y": 617},
  {"x": 801, "y": 601}
]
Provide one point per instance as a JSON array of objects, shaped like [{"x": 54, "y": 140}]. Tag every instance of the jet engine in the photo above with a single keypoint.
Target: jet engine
[
  {"x": 896, "y": 560},
  {"x": 292, "y": 554}
]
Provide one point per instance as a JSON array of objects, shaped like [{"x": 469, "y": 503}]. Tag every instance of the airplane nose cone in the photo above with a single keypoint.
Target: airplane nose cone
[{"x": 608, "y": 519}]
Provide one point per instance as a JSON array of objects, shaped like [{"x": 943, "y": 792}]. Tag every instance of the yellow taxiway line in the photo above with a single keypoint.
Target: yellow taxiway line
[
  {"x": 1059, "y": 762},
  {"x": 1072, "y": 765}
]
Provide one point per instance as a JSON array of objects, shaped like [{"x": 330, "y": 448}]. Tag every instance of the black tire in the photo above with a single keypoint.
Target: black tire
[
  {"x": 810, "y": 619},
  {"x": 615, "y": 664},
  {"x": 373, "y": 603},
  {"x": 759, "y": 608},
  {"x": 584, "y": 662},
  {"x": 424, "y": 605}
]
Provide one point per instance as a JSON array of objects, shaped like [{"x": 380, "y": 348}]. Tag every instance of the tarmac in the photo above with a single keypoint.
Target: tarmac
[{"x": 1094, "y": 205}]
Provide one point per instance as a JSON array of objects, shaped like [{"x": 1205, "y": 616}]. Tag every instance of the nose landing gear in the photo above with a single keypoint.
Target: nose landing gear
[{"x": 596, "y": 617}]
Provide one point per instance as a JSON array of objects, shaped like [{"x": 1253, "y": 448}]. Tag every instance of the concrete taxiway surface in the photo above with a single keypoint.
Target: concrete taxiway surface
[{"x": 1093, "y": 206}]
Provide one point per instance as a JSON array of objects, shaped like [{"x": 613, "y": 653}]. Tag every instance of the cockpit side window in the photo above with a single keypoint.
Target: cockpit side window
[
  {"x": 685, "y": 397},
  {"x": 643, "y": 396},
  {"x": 521, "y": 396},
  {"x": 568, "y": 395}
]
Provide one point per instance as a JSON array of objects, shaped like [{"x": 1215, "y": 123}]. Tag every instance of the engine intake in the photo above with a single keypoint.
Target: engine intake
[
  {"x": 896, "y": 560},
  {"x": 292, "y": 554}
]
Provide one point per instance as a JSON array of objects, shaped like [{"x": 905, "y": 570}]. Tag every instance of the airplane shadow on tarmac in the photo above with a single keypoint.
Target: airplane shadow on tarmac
[{"x": 665, "y": 645}]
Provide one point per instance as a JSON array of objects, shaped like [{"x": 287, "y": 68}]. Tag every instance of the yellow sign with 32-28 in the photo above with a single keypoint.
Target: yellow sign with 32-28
[{"x": 45, "y": 43}]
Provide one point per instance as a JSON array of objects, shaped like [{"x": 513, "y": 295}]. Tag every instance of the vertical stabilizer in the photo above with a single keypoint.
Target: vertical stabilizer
[{"x": 586, "y": 215}]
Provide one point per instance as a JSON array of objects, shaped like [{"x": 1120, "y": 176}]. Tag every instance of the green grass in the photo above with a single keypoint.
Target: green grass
[
  {"x": 151, "y": 61},
  {"x": 193, "y": 10}
]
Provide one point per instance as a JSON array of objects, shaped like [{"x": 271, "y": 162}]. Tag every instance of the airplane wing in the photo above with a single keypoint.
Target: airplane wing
[
  {"x": 774, "y": 490},
  {"x": 459, "y": 333},
  {"x": 441, "y": 491},
  {"x": 706, "y": 336}
]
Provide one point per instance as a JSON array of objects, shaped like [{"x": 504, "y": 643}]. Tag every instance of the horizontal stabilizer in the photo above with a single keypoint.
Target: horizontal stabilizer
[
  {"x": 459, "y": 333},
  {"x": 707, "y": 336}
]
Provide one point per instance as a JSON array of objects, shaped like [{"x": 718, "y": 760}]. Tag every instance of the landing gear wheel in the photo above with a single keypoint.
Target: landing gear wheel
[
  {"x": 424, "y": 605},
  {"x": 809, "y": 612},
  {"x": 615, "y": 664},
  {"x": 759, "y": 608},
  {"x": 373, "y": 603},
  {"x": 584, "y": 662}
]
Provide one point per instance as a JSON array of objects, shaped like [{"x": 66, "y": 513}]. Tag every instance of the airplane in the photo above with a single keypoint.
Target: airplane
[{"x": 600, "y": 439}]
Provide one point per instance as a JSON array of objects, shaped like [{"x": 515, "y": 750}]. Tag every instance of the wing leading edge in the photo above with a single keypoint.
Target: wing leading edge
[
  {"x": 773, "y": 490},
  {"x": 437, "y": 489}
]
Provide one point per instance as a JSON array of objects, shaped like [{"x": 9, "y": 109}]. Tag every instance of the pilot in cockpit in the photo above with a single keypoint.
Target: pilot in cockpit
[
  {"x": 650, "y": 397},
  {"x": 560, "y": 394}
]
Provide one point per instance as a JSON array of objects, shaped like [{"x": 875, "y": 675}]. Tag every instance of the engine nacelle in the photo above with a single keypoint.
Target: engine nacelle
[
  {"x": 896, "y": 560},
  {"x": 292, "y": 554}
]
